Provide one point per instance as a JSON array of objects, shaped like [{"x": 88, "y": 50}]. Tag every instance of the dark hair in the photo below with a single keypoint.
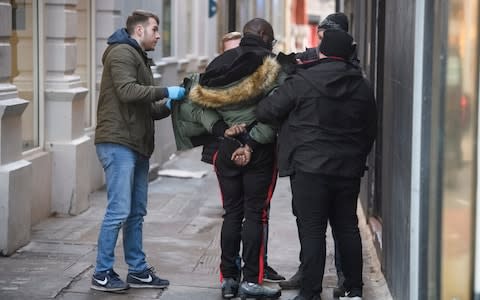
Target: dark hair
[
  {"x": 260, "y": 27},
  {"x": 139, "y": 17},
  {"x": 257, "y": 25}
]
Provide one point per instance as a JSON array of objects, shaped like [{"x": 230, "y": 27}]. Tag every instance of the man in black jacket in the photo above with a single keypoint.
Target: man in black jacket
[{"x": 327, "y": 118}]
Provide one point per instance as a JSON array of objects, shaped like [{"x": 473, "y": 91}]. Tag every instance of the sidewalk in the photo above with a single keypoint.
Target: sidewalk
[{"x": 181, "y": 240}]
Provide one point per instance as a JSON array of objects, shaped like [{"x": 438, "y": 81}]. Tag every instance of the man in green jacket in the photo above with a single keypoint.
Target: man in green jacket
[
  {"x": 124, "y": 140},
  {"x": 232, "y": 85}
]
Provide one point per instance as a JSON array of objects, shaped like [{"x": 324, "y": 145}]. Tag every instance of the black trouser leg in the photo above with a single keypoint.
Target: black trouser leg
[
  {"x": 338, "y": 259},
  {"x": 344, "y": 223},
  {"x": 265, "y": 238},
  {"x": 258, "y": 184},
  {"x": 310, "y": 197},
  {"x": 232, "y": 198},
  {"x": 292, "y": 179}
]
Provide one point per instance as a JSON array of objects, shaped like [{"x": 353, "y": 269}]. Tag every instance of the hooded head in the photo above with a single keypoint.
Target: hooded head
[
  {"x": 336, "y": 43},
  {"x": 334, "y": 21}
]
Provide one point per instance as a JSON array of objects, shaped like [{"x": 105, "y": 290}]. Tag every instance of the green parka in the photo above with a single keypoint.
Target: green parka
[{"x": 126, "y": 107}]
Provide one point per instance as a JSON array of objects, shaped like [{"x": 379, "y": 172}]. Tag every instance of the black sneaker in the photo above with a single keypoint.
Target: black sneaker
[
  {"x": 270, "y": 275},
  {"x": 339, "y": 290},
  {"x": 146, "y": 279},
  {"x": 354, "y": 294},
  {"x": 294, "y": 282},
  {"x": 108, "y": 281},
  {"x": 257, "y": 291},
  {"x": 229, "y": 288}
]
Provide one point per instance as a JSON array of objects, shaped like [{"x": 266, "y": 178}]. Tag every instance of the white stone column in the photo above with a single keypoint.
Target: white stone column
[
  {"x": 64, "y": 110},
  {"x": 198, "y": 59},
  {"x": 15, "y": 173},
  {"x": 107, "y": 20}
]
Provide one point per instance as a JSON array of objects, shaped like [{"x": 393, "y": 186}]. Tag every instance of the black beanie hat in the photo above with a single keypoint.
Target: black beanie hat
[
  {"x": 336, "y": 43},
  {"x": 335, "y": 21}
]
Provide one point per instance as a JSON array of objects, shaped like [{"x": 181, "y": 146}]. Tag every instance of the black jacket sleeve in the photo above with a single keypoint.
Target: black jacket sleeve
[
  {"x": 160, "y": 111},
  {"x": 275, "y": 108}
]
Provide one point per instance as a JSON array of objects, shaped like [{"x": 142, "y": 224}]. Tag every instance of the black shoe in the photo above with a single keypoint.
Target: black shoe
[
  {"x": 339, "y": 290},
  {"x": 270, "y": 275},
  {"x": 354, "y": 294},
  {"x": 257, "y": 291},
  {"x": 108, "y": 281},
  {"x": 146, "y": 279},
  {"x": 229, "y": 288},
  {"x": 294, "y": 282}
]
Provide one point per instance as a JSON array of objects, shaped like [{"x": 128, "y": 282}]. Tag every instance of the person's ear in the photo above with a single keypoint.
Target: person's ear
[
  {"x": 139, "y": 30},
  {"x": 354, "y": 48}
]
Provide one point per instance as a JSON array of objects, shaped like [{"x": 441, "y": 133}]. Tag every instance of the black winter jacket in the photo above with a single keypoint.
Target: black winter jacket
[{"x": 327, "y": 118}]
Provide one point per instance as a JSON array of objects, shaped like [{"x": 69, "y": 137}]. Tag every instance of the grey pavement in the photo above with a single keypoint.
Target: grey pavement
[{"x": 181, "y": 240}]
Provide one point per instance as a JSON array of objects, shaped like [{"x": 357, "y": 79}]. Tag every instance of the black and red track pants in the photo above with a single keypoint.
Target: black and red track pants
[{"x": 246, "y": 194}]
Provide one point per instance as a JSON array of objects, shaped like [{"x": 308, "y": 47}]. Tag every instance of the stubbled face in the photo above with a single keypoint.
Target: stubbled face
[{"x": 149, "y": 35}]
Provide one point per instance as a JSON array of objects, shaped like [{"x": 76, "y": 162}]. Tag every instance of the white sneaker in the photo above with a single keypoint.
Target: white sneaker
[{"x": 350, "y": 298}]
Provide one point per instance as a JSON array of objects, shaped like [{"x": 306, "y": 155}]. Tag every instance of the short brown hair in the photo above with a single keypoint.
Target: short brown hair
[{"x": 139, "y": 17}]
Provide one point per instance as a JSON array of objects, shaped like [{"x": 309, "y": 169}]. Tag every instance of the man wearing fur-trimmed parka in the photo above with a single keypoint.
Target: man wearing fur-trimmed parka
[{"x": 232, "y": 85}]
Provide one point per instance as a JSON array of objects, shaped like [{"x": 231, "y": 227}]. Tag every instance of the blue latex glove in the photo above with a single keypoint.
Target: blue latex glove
[
  {"x": 169, "y": 104},
  {"x": 176, "y": 92}
]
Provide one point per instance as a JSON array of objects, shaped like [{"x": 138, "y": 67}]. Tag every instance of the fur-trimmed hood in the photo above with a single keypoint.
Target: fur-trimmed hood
[{"x": 244, "y": 90}]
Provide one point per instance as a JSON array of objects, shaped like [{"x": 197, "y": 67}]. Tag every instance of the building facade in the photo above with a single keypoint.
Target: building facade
[
  {"x": 50, "y": 70},
  {"x": 421, "y": 192}
]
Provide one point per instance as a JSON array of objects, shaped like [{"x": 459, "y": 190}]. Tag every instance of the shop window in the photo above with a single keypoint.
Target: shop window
[
  {"x": 24, "y": 57},
  {"x": 167, "y": 28},
  {"x": 84, "y": 56},
  {"x": 453, "y": 150},
  {"x": 189, "y": 29},
  {"x": 457, "y": 139}
]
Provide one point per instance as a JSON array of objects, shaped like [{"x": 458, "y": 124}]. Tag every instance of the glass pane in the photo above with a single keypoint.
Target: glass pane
[
  {"x": 83, "y": 55},
  {"x": 22, "y": 75},
  {"x": 166, "y": 37},
  {"x": 189, "y": 29},
  {"x": 459, "y": 159}
]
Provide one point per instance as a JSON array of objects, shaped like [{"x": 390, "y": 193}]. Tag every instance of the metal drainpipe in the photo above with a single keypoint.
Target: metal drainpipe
[
  {"x": 415, "y": 193},
  {"x": 339, "y": 5},
  {"x": 232, "y": 15}
]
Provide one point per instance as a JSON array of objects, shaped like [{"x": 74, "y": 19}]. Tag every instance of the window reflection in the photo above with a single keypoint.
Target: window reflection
[
  {"x": 189, "y": 29},
  {"x": 459, "y": 149},
  {"x": 22, "y": 75},
  {"x": 83, "y": 56},
  {"x": 167, "y": 28}
]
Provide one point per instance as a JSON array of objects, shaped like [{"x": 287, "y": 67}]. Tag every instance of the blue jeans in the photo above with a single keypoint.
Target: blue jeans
[{"x": 126, "y": 173}]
